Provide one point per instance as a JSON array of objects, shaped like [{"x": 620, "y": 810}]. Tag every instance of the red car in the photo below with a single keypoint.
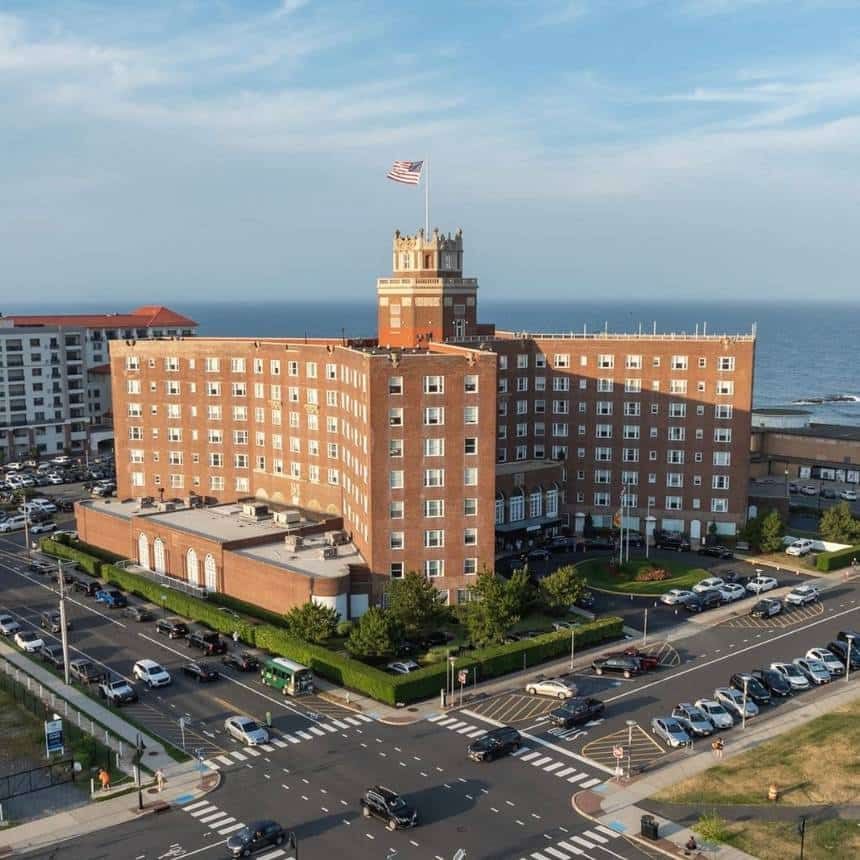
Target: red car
[{"x": 648, "y": 661}]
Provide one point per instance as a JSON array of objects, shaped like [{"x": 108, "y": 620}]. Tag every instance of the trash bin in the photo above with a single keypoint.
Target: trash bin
[{"x": 650, "y": 828}]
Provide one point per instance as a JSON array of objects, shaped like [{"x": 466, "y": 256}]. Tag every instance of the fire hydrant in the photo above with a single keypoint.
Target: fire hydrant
[{"x": 772, "y": 792}]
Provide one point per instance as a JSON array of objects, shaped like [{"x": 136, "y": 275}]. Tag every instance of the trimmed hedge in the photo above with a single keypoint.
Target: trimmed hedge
[
  {"x": 246, "y": 608},
  {"x": 62, "y": 550},
  {"x": 826, "y": 561},
  {"x": 335, "y": 666}
]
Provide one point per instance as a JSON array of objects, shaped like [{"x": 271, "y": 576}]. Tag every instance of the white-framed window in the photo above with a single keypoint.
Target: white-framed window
[
  {"x": 211, "y": 364},
  {"x": 630, "y": 455},
  {"x": 396, "y": 540},
  {"x": 275, "y": 367},
  {"x": 395, "y": 385},
  {"x": 470, "y": 566},
  {"x": 395, "y": 479},
  {"x": 675, "y": 456},
  {"x": 395, "y": 417},
  {"x": 606, "y": 361},
  {"x": 632, "y": 386},
  {"x": 561, "y": 383},
  {"x": 604, "y": 431},
  {"x": 601, "y": 500},
  {"x": 603, "y": 455},
  {"x": 677, "y": 386},
  {"x": 216, "y": 482},
  {"x": 470, "y": 507},
  {"x": 333, "y": 477},
  {"x": 561, "y": 359},
  {"x": 434, "y": 477},
  {"x": 434, "y": 567},
  {"x": 434, "y": 507},
  {"x": 137, "y": 479},
  {"x": 674, "y": 479},
  {"x": 602, "y": 476},
  {"x": 434, "y": 538},
  {"x": 396, "y": 569},
  {"x": 722, "y": 434},
  {"x": 258, "y": 366},
  {"x": 470, "y": 476},
  {"x": 725, "y": 387},
  {"x": 536, "y": 504},
  {"x": 719, "y": 506},
  {"x": 395, "y": 447},
  {"x": 679, "y": 362},
  {"x": 677, "y": 434},
  {"x": 633, "y": 362},
  {"x": 722, "y": 458},
  {"x": 631, "y": 431},
  {"x": 396, "y": 509},
  {"x": 516, "y": 508},
  {"x": 723, "y": 411},
  {"x": 604, "y": 385},
  {"x": 470, "y": 383},
  {"x": 434, "y": 415},
  {"x": 727, "y": 362},
  {"x": 213, "y": 412},
  {"x": 470, "y": 536},
  {"x": 674, "y": 503},
  {"x": 604, "y": 407},
  {"x": 677, "y": 410},
  {"x": 434, "y": 384},
  {"x": 720, "y": 482},
  {"x": 500, "y": 512},
  {"x": 470, "y": 415}
]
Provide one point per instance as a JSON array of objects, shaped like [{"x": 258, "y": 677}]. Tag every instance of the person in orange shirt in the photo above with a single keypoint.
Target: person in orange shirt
[{"x": 104, "y": 779}]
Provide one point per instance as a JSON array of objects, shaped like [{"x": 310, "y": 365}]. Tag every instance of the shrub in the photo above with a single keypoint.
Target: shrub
[
  {"x": 313, "y": 622},
  {"x": 344, "y": 628},
  {"x": 826, "y": 561},
  {"x": 85, "y": 561},
  {"x": 653, "y": 574}
]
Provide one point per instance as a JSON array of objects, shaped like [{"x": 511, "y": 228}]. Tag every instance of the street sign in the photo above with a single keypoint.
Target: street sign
[
  {"x": 463, "y": 676},
  {"x": 54, "y": 736},
  {"x": 618, "y": 752}
]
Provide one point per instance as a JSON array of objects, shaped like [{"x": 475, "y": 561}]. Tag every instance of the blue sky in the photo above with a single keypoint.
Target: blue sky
[{"x": 187, "y": 151}]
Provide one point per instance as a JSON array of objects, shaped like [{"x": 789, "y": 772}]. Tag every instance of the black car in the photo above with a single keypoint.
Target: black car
[
  {"x": 676, "y": 542},
  {"x": 703, "y": 600},
  {"x": 172, "y": 628},
  {"x": 87, "y": 586},
  {"x": 772, "y": 681},
  {"x": 68, "y": 579},
  {"x": 716, "y": 551},
  {"x": 599, "y": 543},
  {"x": 766, "y": 608},
  {"x": 844, "y": 635},
  {"x": 256, "y": 836},
  {"x": 390, "y": 807},
  {"x": 436, "y": 638},
  {"x": 562, "y": 544},
  {"x": 200, "y": 672},
  {"x": 85, "y": 671},
  {"x": 585, "y": 600},
  {"x": 495, "y": 743},
  {"x": 755, "y": 689},
  {"x": 622, "y": 664},
  {"x": 575, "y": 712},
  {"x": 840, "y": 649},
  {"x": 208, "y": 641},
  {"x": 735, "y": 577},
  {"x": 52, "y": 654},
  {"x": 244, "y": 661},
  {"x": 138, "y": 613}
]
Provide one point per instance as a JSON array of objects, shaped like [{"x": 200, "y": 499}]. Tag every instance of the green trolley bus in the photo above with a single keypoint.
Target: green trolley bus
[{"x": 292, "y": 678}]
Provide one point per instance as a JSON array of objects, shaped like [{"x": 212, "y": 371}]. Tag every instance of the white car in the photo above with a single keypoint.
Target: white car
[
  {"x": 707, "y": 584},
  {"x": 46, "y": 506},
  {"x": 733, "y": 701},
  {"x": 761, "y": 584},
  {"x": 55, "y": 479},
  {"x": 796, "y": 679},
  {"x": 14, "y": 523},
  {"x": 800, "y": 595},
  {"x": 556, "y": 689},
  {"x": 732, "y": 591},
  {"x": 403, "y": 667},
  {"x": 14, "y": 482},
  {"x": 246, "y": 731},
  {"x": 674, "y": 596},
  {"x": 29, "y": 641},
  {"x": 42, "y": 528},
  {"x": 813, "y": 670},
  {"x": 799, "y": 547},
  {"x": 834, "y": 665},
  {"x": 14, "y": 466},
  {"x": 151, "y": 673},
  {"x": 848, "y": 496},
  {"x": 809, "y": 490},
  {"x": 720, "y": 718},
  {"x": 61, "y": 460},
  {"x": 8, "y": 625}
]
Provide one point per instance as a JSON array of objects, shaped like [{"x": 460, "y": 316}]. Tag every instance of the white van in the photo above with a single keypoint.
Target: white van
[{"x": 11, "y": 524}]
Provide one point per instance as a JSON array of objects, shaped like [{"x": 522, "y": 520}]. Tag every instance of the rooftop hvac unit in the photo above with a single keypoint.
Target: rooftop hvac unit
[
  {"x": 328, "y": 552},
  {"x": 293, "y": 542},
  {"x": 286, "y": 518},
  {"x": 255, "y": 510},
  {"x": 194, "y": 501},
  {"x": 335, "y": 538},
  {"x": 145, "y": 502},
  {"x": 166, "y": 507}
]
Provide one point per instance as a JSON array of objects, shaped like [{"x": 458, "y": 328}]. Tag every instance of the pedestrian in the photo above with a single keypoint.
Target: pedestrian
[
  {"x": 104, "y": 779},
  {"x": 691, "y": 845},
  {"x": 235, "y": 637},
  {"x": 160, "y": 779},
  {"x": 717, "y": 747}
]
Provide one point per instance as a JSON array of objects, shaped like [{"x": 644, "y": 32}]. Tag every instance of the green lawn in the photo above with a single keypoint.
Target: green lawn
[{"x": 596, "y": 571}]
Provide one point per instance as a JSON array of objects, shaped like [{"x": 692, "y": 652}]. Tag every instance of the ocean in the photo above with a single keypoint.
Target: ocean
[{"x": 804, "y": 351}]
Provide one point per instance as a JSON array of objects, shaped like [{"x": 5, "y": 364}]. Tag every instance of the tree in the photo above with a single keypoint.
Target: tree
[
  {"x": 493, "y": 609},
  {"x": 561, "y": 589},
  {"x": 521, "y": 592},
  {"x": 374, "y": 635},
  {"x": 837, "y": 524},
  {"x": 313, "y": 622},
  {"x": 772, "y": 531},
  {"x": 415, "y": 604},
  {"x": 751, "y": 532}
]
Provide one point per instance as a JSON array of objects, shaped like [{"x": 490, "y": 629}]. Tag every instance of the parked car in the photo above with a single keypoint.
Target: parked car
[
  {"x": 712, "y": 582},
  {"x": 845, "y": 635},
  {"x": 675, "y": 596},
  {"x": 716, "y": 551},
  {"x": 151, "y": 673},
  {"x": 50, "y": 621},
  {"x": 208, "y": 641},
  {"x": 576, "y": 712},
  {"x": 720, "y": 718},
  {"x": 834, "y": 665},
  {"x": 28, "y": 641},
  {"x": 117, "y": 692},
  {"x": 773, "y": 682},
  {"x": 53, "y": 654},
  {"x": 43, "y": 527},
  {"x": 809, "y": 490},
  {"x": 138, "y": 613},
  {"x": 733, "y": 701},
  {"x": 200, "y": 672},
  {"x": 796, "y": 679},
  {"x": 647, "y": 662},
  {"x": 556, "y": 689},
  {"x": 799, "y": 547},
  {"x": 255, "y": 837},
  {"x": 840, "y": 650},
  {"x": 827, "y": 493},
  {"x": 388, "y": 806},
  {"x": 85, "y": 671},
  {"x": 112, "y": 598},
  {"x": 735, "y": 577},
  {"x": 674, "y": 542},
  {"x": 670, "y": 731},
  {"x": 761, "y": 584},
  {"x": 563, "y": 625},
  {"x": 402, "y": 667},
  {"x": 617, "y": 663},
  {"x": 15, "y": 523},
  {"x": 90, "y": 587},
  {"x": 172, "y": 628},
  {"x": 437, "y": 638},
  {"x": 8, "y": 625},
  {"x": 693, "y": 720},
  {"x": 585, "y": 600},
  {"x": 495, "y": 743},
  {"x": 766, "y": 608},
  {"x": 813, "y": 670},
  {"x": 754, "y": 688},
  {"x": 244, "y": 661},
  {"x": 732, "y": 591},
  {"x": 246, "y": 730},
  {"x": 848, "y": 496},
  {"x": 703, "y": 600},
  {"x": 800, "y": 595},
  {"x": 600, "y": 542},
  {"x": 536, "y": 555}
]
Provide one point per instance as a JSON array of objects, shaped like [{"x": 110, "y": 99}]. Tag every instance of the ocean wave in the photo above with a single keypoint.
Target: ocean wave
[{"x": 830, "y": 398}]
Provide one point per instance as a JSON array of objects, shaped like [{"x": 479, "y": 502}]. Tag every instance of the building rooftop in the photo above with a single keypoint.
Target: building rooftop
[
  {"x": 308, "y": 559},
  {"x": 147, "y": 316},
  {"x": 841, "y": 432},
  {"x": 605, "y": 335},
  {"x": 222, "y": 523},
  {"x": 780, "y": 410}
]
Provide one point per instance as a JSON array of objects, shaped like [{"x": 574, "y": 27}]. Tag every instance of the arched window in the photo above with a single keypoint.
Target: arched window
[
  {"x": 143, "y": 550},
  {"x": 211, "y": 572},
  {"x": 160, "y": 556},
  {"x": 192, "y": 568}
]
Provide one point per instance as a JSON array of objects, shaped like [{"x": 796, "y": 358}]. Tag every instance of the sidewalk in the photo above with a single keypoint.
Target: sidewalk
[
  {"x": 620, "y": 806},
  {"x": 155, "y": 756},
  {"x": 184, "y": 784}
]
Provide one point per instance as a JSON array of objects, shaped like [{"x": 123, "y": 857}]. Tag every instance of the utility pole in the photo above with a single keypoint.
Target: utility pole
[
  {"x": 645, "y": 629},
  {"x": 848, "y": 655},
  {"x": 27, "y": 529},
  {"x": 801, "y": 829},
  {"x": 647, "y": 522},
  {"x": 572, "y": 646},
  {"x": 744, "y": 710},
  {"x": 64, "y": 633}
]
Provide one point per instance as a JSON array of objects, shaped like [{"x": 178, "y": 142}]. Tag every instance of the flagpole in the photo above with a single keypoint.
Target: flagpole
[{"x": 427, "y": 199}]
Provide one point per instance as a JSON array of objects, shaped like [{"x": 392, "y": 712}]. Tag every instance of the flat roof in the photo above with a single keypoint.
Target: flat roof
[
  {"x": 780, "y": 410},
  {"x": 307, "y": 559},
  {"x": 842, "y": 432},
  {"x": 221, "y": 522}
]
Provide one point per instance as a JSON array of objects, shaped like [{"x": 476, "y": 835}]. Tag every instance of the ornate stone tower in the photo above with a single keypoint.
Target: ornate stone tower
[{"x": 427, "y": 298}]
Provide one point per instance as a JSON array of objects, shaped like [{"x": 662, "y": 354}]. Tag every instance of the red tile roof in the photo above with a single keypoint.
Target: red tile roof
[{"x": 147, "y": 316}]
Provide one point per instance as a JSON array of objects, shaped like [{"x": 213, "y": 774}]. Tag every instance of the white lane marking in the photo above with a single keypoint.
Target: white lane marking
[
  {"x": 568, "y": 847},
  {"x": 251, "y": 751},
  {"x": 541, "y": 761},
  {"x": 278, "y": 742},
  {"x": 213, "y": 817},
  {"x": 340, "y": 724},
  {"x": 272, "y": 854},
  {"x": 566, "y": 771},
  {"x": 466, "y": 728},
  {"x": 196, "y": 805},
  {"x": 206, "y": 809},
  {"x": 222, "y": 823},
  {"x": 455, "y": 725},
  {"x": 520, "y": 751},
  {"x": 556, "y": 853},
  {"x": 328, "y": 727},
  {"x": 530, "y": 756},
  {"x": 554, "y": 766},
  {"x": 238, "y": 756},
  {"x": 224, "y": 760},
  {"x": 434, "y": 718},
  {"x": 292, "y": 740},
  {"x": 353, "y": 721},
  {"x": 267, "y": 747},
  {"x": 580, "y": 841},
  {"x": 608, "y": 831},
  {"x": 590, "y": 783},
  {"x": 364, "y": 719},
  {"x": 477, "y": 733},
  {"x": 595, "y": 836},
  {"x": 211, "y": 764},
  {"x": 317, "y": 732},
  {"x": 577, "y": 777},
  {"x": 305, "y": 735},
  {"x": 231, "y": 828}
]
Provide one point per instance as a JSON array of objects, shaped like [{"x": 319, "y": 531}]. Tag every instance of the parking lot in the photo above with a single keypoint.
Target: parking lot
[
  {"x": 640, "y": 749},
  {"x": 787, "y": 618}
]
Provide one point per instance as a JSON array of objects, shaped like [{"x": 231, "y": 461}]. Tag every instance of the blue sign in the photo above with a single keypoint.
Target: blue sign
[{"x": 54, "y": 736}]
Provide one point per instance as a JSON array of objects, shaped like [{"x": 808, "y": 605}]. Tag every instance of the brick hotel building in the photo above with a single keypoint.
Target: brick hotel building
[{"x": 428, "y": 448}]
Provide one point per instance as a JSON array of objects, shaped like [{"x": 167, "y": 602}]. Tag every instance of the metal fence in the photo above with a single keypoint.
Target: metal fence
[{"x": 37, "y": 778}]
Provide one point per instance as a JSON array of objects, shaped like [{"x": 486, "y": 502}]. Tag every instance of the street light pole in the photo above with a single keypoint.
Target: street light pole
[
  {"x": 744, "y": 709},
  {"x": 848, "y": 653},
  {"x": 647, "y": 522},
  {"x": 630, "y": 724},
  {"x": 27, "y": 529},
  {"x": 572, "y": 646},
  {"x": 645, "y": 629},
  {"x": 64, "y": 633}
]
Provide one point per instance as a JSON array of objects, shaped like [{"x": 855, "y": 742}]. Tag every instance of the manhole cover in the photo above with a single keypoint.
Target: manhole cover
[{"x": 412, "y": 709}]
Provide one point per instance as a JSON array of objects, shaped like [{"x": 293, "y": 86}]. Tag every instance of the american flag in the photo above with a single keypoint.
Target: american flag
[{"x": 406, "y": 171}]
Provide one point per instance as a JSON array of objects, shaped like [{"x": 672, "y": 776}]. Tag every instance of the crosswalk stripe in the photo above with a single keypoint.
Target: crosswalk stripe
[
  {"x": 196, "y": 805},
  {"x": 566, "y": 771},
  {"x": 353, "y": 721},
  {"x": 222, "y": 823},
  {"x": 342, "y": 725},
  {"x": 595, "y": 836},
  {"x": 608, "y": 831},
  {"x": 556, "y": 853},
  {"x": 279, "y": 852},
  {"x": 365, "y": 719},
  {"x": 541, "y": 761},
  {"x": 224, "y": 760},
  {"x": 577, "y": 777},
  {"x": 204, "y": 811},
  {"x": 572, "y": 848},
  {"x": 238, "y": 756},
  {"x": 252, "y": 752},
  {"x": 304, "y": 735},
  {"x": 520, "y": 751},
  {"x": 580, "y": 841},
  {"x": 447, "y": 722},
  {"x": 267, "y": 748},
  {"x": 279, "y": 743},
  {"x": 434, "y": 718},
  {"x": 466, "y": 728},
  {"x": 554, "y": 766},
  {"x": 530, "y": 756},
  {"x": 590, "y": 783},
  {"x": 477, "y": 733},
  {"x": 328, "y": 727},
  {"x": 212, "y": 817},
  {"x": 231, "y": 828},
  {"x": 292, "y": 740},
  {"x": 211, "y": 764},
  {"x": 318, "y": 732},
  {"x": 538, "y": 856},
  {"x": 455, "y": 725}
]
